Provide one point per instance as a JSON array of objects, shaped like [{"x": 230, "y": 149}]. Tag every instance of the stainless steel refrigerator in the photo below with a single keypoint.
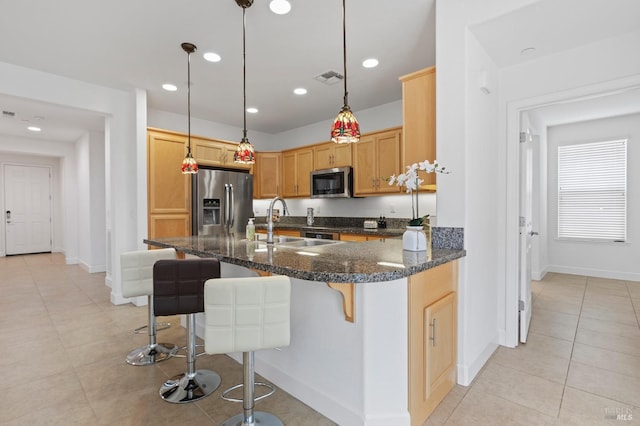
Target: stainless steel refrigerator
[{"x": 222, "y": 201}]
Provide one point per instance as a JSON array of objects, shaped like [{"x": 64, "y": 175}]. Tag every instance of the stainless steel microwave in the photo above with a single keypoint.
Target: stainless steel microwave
[{"x": 332, "y": 183}]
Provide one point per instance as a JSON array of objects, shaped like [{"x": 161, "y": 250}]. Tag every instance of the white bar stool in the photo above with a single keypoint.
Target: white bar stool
[
  {"x": 137, "y": 280},
  {"x": 246, "y": 315}
]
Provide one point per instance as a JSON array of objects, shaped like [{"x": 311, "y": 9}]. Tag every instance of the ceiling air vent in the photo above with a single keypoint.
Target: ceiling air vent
[
  {"x": 329, "y": 77},
  {"x": 8, "y": 114}
]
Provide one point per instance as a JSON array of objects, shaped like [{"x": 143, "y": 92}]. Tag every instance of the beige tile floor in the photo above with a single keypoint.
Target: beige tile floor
[
  {"x": 580, "y": 365},
  {"x": 65, "y": 342}
]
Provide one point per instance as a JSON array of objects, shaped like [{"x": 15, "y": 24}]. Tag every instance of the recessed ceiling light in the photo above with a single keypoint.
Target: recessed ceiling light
[
  {"x": 212, "y": 57},
  {"x": 169, "y": 87},
  {"x": 300, "y": 91},
  {"x": 252, "y": 110},
  {"x": 34, "y": 128},
  {"x": 528, "y": 51},
  {"x": 280, "y": 7},
  {"x": 370, "y": 63}
]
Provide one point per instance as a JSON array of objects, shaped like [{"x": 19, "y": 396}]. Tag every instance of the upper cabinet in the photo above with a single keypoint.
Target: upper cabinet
[
  {"x": 329, "y": 155},
  {"x": 419, "y": 121},
  {"x": 208, "y": 152},
  {"x": 266, "y": 175},
  {"x": 375, "y": 158},
  {"x": 296, "y": 172}
]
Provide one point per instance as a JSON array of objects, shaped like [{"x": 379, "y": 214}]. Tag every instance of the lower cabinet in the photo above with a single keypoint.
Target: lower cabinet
[
  {"x": 360, "y": 237},
  {"x": 432, "y": 338}
]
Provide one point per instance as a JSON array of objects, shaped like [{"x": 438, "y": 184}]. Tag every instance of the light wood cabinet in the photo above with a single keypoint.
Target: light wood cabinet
[
  {"x": 375, "y": 158},
  {"x": 296, "y": 170},
  {"x": 210, "y": 152},
  {"x": 419, "y": 121},
  {"x": 169, "y": 191},
  {"x": 360, "y": 237},
  {"x": 329, "y": 155},
  {"x": 432, "y": 338},
  {"x": 266, "y": 175}
]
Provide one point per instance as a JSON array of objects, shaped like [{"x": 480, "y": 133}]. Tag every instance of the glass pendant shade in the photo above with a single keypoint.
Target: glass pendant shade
[
  {"x": 345, "y": 127},
  {"x": 245, "y": 154},
  {"x": 189, "y": 165}
]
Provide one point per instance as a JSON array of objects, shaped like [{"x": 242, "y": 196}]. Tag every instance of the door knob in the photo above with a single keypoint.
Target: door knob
[{"x": 532, "y": 233}]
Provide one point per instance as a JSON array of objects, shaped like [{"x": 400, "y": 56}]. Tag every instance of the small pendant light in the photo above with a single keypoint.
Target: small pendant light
[
  {"x": 245, "y": 154},
  {"x": 345, "y": 127},
  {"x": 189, "y": 165}
]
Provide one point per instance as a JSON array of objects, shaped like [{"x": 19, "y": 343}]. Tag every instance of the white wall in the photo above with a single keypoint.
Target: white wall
[
  {"x": 468, "y": 145},
  {"x": 610, "y": 260}
]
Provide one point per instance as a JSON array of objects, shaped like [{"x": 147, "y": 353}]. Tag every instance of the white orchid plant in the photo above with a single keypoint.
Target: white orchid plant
[{"x": 411, "y": 181}]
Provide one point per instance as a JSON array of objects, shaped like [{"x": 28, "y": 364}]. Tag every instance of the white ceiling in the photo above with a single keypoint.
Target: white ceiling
[
  {"x": 127, "y": 44},
  {"x": 136, "y": 44}
]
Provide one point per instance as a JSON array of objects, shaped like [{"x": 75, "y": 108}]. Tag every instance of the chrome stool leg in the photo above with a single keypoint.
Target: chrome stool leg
[
  {"x": 248, "y": 415},
  {"x": 194, "y": 384},
  {"x": 152, "y": 352}
]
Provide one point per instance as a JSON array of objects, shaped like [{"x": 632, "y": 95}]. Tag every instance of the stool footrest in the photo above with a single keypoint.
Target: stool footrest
[
  {"x": 241, "y": 385},
  {"x": 159, "y": 326}
]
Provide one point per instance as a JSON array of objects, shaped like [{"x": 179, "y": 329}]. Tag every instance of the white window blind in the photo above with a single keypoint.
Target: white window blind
[{"x": 592, "y": 191}]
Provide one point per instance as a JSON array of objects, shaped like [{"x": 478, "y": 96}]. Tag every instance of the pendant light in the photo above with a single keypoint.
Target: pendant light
[
  {"x": 345, "y": 127},
  {"x": 245, "y": 154},
  {"x": 189, "y": 165}
]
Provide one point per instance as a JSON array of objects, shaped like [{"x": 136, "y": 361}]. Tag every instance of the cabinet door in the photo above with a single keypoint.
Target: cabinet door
[
  {"x": 353, "y": 237},
  {"x": 208, "y": 153},
  {"x": 342, "y": 155},
  {"x": 440, "y": 323},
  {"x": 419, "y": 120},
  {"x": 323, "y": 156},
  {"x": 304, "y": 169},
  {"x": 169, "y": 189},
  {"x": 289, "y": 180},
  {"x": 227, "y": 160},
  {"x": 364, "y": 166},
  {"x": 388, "y": 144},
  {"x": 267, "y": 175}
]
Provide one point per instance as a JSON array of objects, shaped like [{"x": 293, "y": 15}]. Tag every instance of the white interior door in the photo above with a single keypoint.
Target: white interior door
[
  {"x": 27, "y": 204},
  {"x": 526, "y": 233}
]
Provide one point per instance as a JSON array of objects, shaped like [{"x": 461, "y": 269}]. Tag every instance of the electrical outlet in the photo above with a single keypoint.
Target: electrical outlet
[{"x": 392, "y": 209}]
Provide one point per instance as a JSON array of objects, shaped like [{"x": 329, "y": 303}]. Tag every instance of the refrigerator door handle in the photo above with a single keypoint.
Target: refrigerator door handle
[
  {"x": 231, "y": 200},
  {"x": 226, "y": 205}
]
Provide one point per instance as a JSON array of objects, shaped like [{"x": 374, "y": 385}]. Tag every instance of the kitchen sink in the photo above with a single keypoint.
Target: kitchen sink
[
  {"x": 310, "y": 243},
  {"x": 279, "y": 239}
]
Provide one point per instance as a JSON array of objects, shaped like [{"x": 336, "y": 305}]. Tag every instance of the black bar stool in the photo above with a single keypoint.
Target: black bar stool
[
  {"x": 137, "y": 280},
  {"x": 246, "y": 315},
  {"x": 178, "y": 288}
]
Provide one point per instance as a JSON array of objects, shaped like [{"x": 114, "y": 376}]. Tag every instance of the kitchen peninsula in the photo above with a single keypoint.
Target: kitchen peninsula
[{"x": 360, "y": 355}]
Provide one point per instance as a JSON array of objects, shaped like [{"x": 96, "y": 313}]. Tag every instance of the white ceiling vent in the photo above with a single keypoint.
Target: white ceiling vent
[{"x": 329, "y": 77}]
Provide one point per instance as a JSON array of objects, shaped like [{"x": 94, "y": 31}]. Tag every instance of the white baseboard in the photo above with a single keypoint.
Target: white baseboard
[
  {"x": 597, "y": 273},
  {"x": 468, "y": 372}
]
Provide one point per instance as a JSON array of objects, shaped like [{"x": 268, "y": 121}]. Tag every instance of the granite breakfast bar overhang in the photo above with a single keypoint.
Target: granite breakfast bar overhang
[{"x": 355, "y": 373}]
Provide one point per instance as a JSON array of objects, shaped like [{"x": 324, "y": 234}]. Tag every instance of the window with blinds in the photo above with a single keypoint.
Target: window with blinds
[{"x": 592, "y": 191}]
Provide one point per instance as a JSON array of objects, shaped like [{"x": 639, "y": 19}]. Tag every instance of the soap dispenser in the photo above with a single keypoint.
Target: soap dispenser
[{"x": 251, "y": 230}]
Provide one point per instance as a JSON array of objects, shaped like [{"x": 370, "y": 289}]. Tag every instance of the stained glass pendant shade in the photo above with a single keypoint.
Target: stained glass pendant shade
[{"x": 345, "y": 127}]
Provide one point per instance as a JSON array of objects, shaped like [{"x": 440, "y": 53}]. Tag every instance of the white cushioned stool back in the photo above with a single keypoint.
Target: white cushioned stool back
[
  {"x": 246, "y": 314},
  {"x": 137, "y": 270}
]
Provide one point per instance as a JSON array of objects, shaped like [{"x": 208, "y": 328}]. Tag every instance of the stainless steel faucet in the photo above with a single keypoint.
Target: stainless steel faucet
[{"x": 270, "y": 218}]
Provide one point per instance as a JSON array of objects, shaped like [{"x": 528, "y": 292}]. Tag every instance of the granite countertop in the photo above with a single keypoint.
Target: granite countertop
[
  {"x": 340, "y": 262},
  {"x": 387, "y": 232}
]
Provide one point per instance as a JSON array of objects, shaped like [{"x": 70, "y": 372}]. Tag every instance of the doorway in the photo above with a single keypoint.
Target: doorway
[
  {"x": 554, "y": 109},
  {"x": 27, "y": 204}
]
